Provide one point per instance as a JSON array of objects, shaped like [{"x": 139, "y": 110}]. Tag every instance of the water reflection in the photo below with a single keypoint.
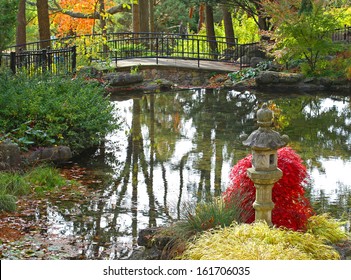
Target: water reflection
[{"x": 180, "y": 146}]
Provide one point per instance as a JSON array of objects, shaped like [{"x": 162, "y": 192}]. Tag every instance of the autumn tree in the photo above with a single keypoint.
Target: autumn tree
[
  {"x": 74, "y": 17},
  {"x": 303, "y": 29}
]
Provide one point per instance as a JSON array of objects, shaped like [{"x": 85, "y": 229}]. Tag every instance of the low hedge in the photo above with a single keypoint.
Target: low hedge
[{"x": 54, "y": 110}]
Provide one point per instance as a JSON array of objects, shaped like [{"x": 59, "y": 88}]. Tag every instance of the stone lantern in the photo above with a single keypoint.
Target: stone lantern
[{"x": 264, "y": 143}]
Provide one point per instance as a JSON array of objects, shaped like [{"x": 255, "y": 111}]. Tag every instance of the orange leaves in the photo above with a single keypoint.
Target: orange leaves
[{"x": 68, "y": 25}]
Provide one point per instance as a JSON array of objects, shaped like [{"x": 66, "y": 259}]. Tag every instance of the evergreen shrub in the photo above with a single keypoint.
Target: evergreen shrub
[{"x": 53, "y": 110}]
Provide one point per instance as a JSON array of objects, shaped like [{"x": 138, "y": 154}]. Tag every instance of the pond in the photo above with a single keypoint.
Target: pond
[{"x": 179, "y": 147}]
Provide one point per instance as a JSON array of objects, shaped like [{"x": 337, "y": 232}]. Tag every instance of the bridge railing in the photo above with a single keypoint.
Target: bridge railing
[
  {"x": 342, "y": 35},
  {"x": 178, "y": 46},
  {"x": 113, "y": 47}
]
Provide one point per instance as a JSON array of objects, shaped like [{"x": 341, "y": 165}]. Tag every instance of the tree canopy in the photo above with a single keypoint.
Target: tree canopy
[{"x": 7, "y": 22}]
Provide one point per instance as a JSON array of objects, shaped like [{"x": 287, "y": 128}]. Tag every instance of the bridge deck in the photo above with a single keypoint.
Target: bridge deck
[{"x": 181, "y": 63}]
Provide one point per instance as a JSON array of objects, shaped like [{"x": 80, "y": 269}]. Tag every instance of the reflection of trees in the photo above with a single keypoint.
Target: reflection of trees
[
  {"x": 311, "y": 125},
  {"x": 210, "y": 124},
  {"x": 338, "y": 206}
]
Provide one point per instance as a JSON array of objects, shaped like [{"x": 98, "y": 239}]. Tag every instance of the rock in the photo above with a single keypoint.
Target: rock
[
  {"x": 269, "y": 77},
  {"x": 254, "y": 61},
  {"x": 275, "y": 66},
  {"x": 309, "y": 80},
  {"x": 54, "y": 154},
  {"x": 146, "y": 254},
  {"x": 254, "y": 52},
  {"x": 10, "y": 156},
  {"x": 149, "y": 238},
  {"x": 89, "y": 72},
  {"x": 164, "y": 84},
  {"x": 122, "y": 79}
]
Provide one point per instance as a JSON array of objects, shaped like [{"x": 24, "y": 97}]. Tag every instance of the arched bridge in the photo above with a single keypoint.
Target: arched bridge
[{"x": 63, "y": 54}]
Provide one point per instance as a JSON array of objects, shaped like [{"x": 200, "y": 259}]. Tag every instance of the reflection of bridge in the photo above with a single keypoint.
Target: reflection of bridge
[{"x": 114, "y": 48}]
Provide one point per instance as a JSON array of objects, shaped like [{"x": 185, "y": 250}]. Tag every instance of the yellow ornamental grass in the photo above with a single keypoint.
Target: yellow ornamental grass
[
  {"x": 326, "y": 228},
  {"x": 258, "y": 242}
]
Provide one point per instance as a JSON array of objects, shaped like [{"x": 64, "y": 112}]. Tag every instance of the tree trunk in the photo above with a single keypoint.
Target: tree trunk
[
  {"x": 44, "y": 23},
  {"x": 211, "y": 37},
  {"x": 103, "y": 26},
  {"x": 144, "y": 15},
  {"x": 263, "y": 22},
  {"x": 228, "y": 27},
  {"x": 136, "y": 18},
  {"x": 102, "y": 11},
  {"x": 152, "y": 16},
  {"x": 201, "y": 17},
  {"x": 21, "y": 36}
]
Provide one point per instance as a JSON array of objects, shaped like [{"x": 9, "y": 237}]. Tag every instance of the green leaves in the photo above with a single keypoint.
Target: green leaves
[
  {"x": 8, "y": 10},
  {"x": 304, "y": 34},
  {"x": 45, "y": 111}
]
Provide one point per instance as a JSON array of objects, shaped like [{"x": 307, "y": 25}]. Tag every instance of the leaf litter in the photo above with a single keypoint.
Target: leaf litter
[{"x": 24, "y": 234}]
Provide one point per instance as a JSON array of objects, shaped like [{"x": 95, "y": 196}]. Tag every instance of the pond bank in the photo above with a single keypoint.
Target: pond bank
[
  {"x": 147, "y": 78},
  {"x": 298, "y": 82}
]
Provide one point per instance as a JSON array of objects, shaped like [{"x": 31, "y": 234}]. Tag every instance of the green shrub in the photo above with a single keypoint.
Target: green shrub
[
  {"x": 258, "y": 242},
  {"x": 302, "y": 33},
  {"x": 47, "y": 110}
]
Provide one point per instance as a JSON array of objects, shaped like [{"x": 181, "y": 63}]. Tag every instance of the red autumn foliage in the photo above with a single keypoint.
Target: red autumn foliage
[{"x": 292, "y": 208}]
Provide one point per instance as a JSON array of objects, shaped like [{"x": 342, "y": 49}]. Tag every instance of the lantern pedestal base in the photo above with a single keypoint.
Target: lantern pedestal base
[{"x": 264, "y": 182}]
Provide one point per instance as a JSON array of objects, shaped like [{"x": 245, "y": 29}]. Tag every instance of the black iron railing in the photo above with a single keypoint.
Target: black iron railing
[
  {"x": 55, "y": 61},
  {"x": 177, "y": 46},
  {"x": 64, "y": 52},
  {"x": 342, "y": 34}
]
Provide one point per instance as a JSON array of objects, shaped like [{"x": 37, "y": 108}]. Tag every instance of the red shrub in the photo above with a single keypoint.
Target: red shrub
[{"x": 292, "y": 208}]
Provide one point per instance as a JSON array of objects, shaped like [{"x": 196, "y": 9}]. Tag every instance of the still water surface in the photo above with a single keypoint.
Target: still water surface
[{"x": 178, "y": 147}]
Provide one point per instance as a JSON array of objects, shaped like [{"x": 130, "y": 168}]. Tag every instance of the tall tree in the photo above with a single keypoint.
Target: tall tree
[
  {"x": 21, "y": 35},
  {"x": 44, "y": 23},
  {"x": 201, "y": 17},
  {"x": 228, "y": 26},
  {"x": 252, "y": 8},
  {"x": 211, "y": 36},
  {"x": 152, "y": 15},
  {"x": 144, "y": 15},
  {"x": 136, "y": 18}
]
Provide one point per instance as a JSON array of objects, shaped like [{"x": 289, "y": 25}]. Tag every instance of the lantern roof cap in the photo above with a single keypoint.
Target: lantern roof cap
[{"x": 265, "y": 138}]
